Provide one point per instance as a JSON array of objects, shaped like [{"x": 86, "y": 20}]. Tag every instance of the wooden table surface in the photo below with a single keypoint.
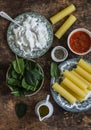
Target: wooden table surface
[{"x": 61, "y": 119}]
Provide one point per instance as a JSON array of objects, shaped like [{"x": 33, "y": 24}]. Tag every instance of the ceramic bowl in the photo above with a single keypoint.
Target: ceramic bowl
[
  {"x": 59, "y": 54},
  {"x": 28, "y": 54},
  {"x": 77, "y": 107},
  {"x": 22, "y": 91},
  {"x": 76, "y": 31}
]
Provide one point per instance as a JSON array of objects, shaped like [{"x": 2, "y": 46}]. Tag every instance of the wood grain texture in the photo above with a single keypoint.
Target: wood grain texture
[{"x": 61, "y": 119}]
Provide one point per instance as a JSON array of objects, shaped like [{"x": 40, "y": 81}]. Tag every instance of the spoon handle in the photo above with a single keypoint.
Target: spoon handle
[
  {"x": 6, "y": 16},
  {"x": 47, "y": 98}
]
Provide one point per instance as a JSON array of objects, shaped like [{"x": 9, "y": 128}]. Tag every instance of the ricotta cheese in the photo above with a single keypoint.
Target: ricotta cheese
[{"x": 31, "y": 36}]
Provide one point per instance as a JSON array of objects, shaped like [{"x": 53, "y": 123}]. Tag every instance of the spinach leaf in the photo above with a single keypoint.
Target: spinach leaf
[
  {"x": 29, "y": 65},
  {"x": 34, "y": 87},
  {"x": 36, "y": 74},
  {"x": 20, "y": 109},
  {"x": 13, "y": 82},
  {"x": 32, "y": 76},
  {"x": 55, "y": 71},
  {"x": 16, "y": 93},
  {"x": 30, "y": 87},
  {"x": 29, "y": 78},
  {"x": 15, "y": 75},
  {"x": 18, "y": 65},
  {"x": 39, "y": 70},
  {"x": 25, "y": 85}
]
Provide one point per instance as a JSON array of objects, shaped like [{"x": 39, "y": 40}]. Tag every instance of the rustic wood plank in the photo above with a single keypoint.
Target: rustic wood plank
[{"x": 61, "y": 119}]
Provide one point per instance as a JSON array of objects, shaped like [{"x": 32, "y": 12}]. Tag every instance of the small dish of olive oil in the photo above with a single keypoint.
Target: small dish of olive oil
[{"x": 44, "y": 109}]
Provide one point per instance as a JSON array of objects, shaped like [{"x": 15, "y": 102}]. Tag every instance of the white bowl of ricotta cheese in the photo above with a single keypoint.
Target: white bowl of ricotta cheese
[{"x": 33, "y": 38}]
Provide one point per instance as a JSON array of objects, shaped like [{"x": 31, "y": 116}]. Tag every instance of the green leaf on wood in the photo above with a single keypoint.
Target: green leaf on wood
[
  {"x": 55, "y": 71},
  {"x": 20, "y": 109}
]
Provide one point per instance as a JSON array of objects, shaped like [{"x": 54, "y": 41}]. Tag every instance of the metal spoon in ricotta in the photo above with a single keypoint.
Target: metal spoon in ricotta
[{"x": 6, "y": 16}]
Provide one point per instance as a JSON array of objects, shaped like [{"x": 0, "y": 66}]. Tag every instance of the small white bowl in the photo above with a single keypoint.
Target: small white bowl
[
  {"x": 59, "y": 54},
  {"x": 68, "y": 40}
]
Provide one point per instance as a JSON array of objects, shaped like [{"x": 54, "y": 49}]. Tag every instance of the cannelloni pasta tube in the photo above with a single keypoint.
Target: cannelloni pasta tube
[
  {"x": 83, "y": 80},
  {"x": 60, "y": 15},
  {"x": 67, "y": 24},
  {"x": 71, "y": 92},
  {"x": 85, "y": 65},
  {"x": 74, "y": 88},
  {"x": 64, "y": 93},
  {"x": 75, "y": 80},
  {"x": 83, "y": 73}
]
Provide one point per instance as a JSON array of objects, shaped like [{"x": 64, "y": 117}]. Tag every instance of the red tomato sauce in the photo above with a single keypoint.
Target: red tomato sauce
[{"x": 80, "y": 42}]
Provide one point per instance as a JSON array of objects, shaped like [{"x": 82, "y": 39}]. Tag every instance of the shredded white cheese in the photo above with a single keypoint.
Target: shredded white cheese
[{"x": 32, "y": 36}]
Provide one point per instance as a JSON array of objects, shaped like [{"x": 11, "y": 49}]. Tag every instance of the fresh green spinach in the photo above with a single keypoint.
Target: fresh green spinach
[
  {"x": 18, "y": 65},
  {"x": 13, "y": 82},
  {"x": 24, "y": 76},
  {"x": 55, "y": 71},
  {"x": 25, "y": 85},
  {"x": 20, "y": 109}
]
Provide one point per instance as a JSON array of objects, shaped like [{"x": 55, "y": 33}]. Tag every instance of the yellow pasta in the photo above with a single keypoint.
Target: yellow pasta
[
  {"x": 64, "y": 93},
  {"x": 76, "y": 84},
  {"x": 85, "y": 65},
  {"x": 89, "y": 86},
  {"x": 68, "y": 23},
  {"x": 83, "y": 80},
  {"x": 72, "y": 93},
  {"x": 83, "y": 73},
  {"x": 80, "y": 77},
  {"x": 74, "y": 88},
  {"x": 75, "y": 80},
  {"x": 60, "y": 15}
]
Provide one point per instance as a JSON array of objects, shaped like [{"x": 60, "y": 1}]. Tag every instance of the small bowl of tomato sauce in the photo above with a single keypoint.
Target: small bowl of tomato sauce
[{"x": 79, "y": 41}]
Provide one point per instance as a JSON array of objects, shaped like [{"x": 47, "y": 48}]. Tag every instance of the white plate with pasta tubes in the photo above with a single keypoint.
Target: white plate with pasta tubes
[{"x": 72, "y": 90}]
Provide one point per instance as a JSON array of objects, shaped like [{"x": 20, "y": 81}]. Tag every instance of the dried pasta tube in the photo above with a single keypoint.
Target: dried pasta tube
[
  {"x": 83, "y": 80},
  {"x": 89, "y": 86},
  {"x": 64, "y": 93},
  {"x": 75, "y": 80},
  {"x": 60, "y": 15},
  {"x": 74, "y": 88},
  {"x": 83, "y": 73},
  {"x": 71, "y": 92},
  {"x": 80, "y": 77},
  {"x": 68, "y": 23},
  {"x": 82, "y": 63}
]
